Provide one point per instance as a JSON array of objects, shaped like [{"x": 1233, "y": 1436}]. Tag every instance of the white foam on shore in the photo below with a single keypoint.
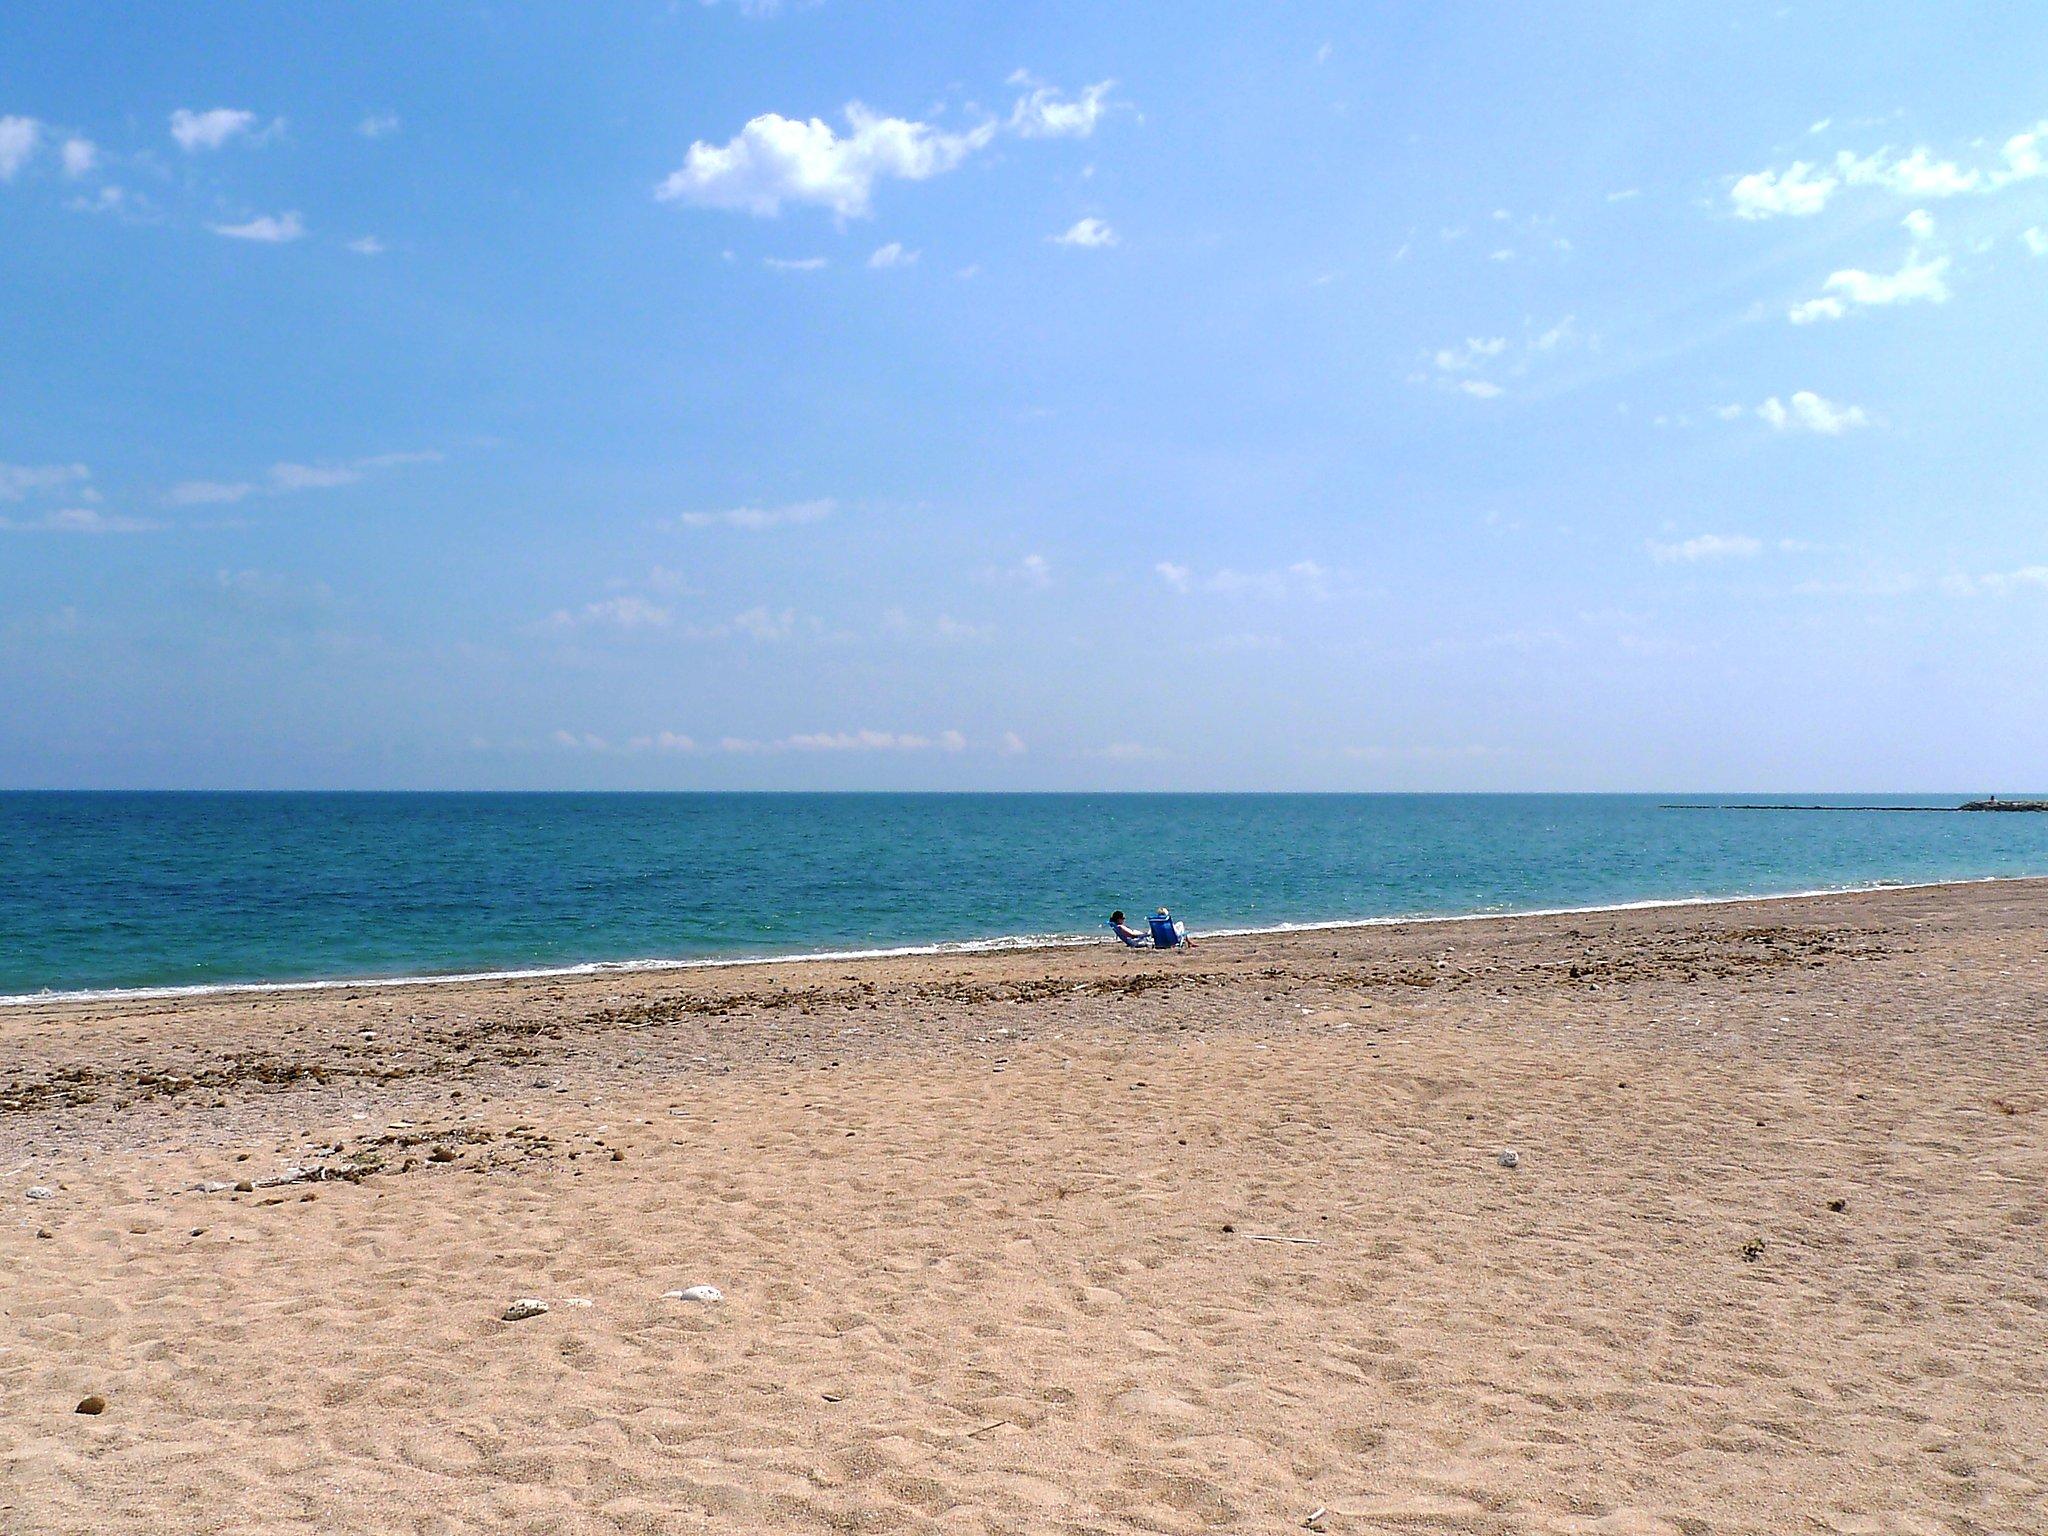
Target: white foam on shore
[{"x": 1024, "y": 941}]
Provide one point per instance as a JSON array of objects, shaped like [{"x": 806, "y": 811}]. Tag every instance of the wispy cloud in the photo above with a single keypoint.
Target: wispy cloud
[
  {"x": 78, "y": 520},
  {"x": 19, "y": 480},
  {"x": 793, "y": 514},
  {"x": 282, "y": 479},
  {"x": 795, "y": 263},
  {"x": 1045, "y": 113},
  {"x": 892, "y": 255},
  {"x": 1706, "y": 546},
  {"x": 1304, "y": 578},
  {"x": 379, "y": 125},
  {"x": 267, "y": 229}
]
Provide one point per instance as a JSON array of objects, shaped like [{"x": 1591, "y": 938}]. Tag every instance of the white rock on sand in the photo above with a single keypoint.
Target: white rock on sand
[
  {"x": 42, "y": 1192},
  {"x": 525, "y": 1307},
  {"x": 695, "y": 1293},
  {"x": 1511, "y": 1158}
]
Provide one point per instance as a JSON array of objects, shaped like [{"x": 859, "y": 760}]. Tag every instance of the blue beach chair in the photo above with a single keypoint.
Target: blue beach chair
[{"x": 1167, "y": 932}]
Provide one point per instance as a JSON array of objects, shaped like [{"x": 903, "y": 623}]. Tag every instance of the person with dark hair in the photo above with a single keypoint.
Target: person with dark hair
[{"x": 1131, "y": 937}]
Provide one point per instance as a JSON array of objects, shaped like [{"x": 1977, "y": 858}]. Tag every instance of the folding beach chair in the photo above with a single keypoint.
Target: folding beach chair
[{"x": 1167, "y": 932}]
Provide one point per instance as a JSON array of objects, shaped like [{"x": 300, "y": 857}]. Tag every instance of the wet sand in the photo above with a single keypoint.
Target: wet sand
[{"x": 1073, "y": 1241}]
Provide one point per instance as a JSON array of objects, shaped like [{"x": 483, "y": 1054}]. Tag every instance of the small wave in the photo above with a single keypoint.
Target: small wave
[{"x": 1022, "y": 941}]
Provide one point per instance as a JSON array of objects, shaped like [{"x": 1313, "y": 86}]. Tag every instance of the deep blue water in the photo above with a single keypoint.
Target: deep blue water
[{"x": 146, "y": 890}]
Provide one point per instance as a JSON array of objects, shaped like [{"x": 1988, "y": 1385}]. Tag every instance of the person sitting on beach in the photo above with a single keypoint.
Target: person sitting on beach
[
  {"x": 1131, "y": 937},
  {"x": 1168, "y": 932}
]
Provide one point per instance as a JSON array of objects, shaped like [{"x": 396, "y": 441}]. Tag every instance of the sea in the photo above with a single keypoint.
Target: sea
[{"x": 117, "y": 891}]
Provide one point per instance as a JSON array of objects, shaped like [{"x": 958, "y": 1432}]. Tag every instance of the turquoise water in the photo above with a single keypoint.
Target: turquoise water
[{"x": 154, "y": 890}]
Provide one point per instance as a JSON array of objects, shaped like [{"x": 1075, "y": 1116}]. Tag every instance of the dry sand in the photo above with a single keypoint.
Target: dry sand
[{"x": 989, "y": 1232}]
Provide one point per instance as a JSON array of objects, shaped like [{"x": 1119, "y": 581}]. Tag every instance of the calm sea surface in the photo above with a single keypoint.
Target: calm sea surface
[{"x": 153, "y": 890}]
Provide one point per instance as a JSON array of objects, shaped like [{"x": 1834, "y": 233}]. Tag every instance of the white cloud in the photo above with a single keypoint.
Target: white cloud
[
  {"x": 1920, "y": 279},
  {"x": 1035, "y": 571},
  {"x": 19, "y": 137},
  {"x": 195, "y": 131},
  {"x": 1798, "y": 191},
  {"x": 776, "y": 160},
  {"x": 1919, "y": 224},
  {"x": 281, "y": 479},
  {"x": 1304, "y": 578},
  {"x": 379, "y": 125},
  {"x": 892, "y": 255},
  {"x": 875, "y": 741},
  {"x": 77, "y": 520},
  {"x": 2036, "y": 240},
  {"x": 1804, "y": 188},
  {"x": 1045, "y": 114},
  {"x": 1475, "y": 349},
  {"x": 368, "y": 245},
  {"x": 18, "y": 480},
  {"x": 795, "y": 263},
  {"x": 1480, "y": 389},
  {"x": 1013, "y": 745},
  {"x": 765, "y": 624},
  {"x": 1706, "y": 546},
  {"x": 1809, "y": 412},
  {"x": 794, "y": 514},
  {"x": 625, "y": 612},
  {"x": 271, "y": 230},
  {"x": 1090, "y": 233},
  {"x": 80, "y": 156}
]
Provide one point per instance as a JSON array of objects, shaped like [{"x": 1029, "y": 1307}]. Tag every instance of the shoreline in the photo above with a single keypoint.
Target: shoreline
[{"x": 999, "y": 945}]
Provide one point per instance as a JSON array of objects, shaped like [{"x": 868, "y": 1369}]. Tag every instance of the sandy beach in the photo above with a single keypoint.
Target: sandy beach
[{"x": 1062, "y": 1241}]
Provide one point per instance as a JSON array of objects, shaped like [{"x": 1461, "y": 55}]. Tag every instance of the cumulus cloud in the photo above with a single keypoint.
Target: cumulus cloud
[
  {"x": 1476, "y": 348},
  {"x": 2036, "y": 240},
  {"x": 80, "y": 156},
  {"x": 368, "y": 245},
  {"x": 1044, "y": 113},
  {"x": 19, "y": 137},
  {"x": 1804, "y": 188},
  {"x": 1920, "y": 279},
  {"x": 1090, "y": 233},
  {"x": 1706, "y": 546},
  {"x": 793, "y": 514},
  {"x": 1480, "y": 389},
  {"x": 892, "y": 255},
  {"x": 776, "y": 160},
  {"x": 266, "y": 228},
  {"x": 1809, "y": 412},
  {"x": 379, "y": 125},
  {"x": 1797, "y": 191},
  {"x": 196, "y": 131}
]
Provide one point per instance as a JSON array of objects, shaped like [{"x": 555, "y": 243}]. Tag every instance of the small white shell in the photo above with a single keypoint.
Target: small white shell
[
  {"x": 525, "y": 1307},
  {"x": 695, "y": 1293}
]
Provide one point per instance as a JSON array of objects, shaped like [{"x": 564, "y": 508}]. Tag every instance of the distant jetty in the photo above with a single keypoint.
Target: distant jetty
[{"x": 1992, "y": 804}]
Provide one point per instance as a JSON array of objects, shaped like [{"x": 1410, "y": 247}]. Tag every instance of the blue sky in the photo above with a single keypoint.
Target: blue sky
[{"x": 1194, "y": 395}]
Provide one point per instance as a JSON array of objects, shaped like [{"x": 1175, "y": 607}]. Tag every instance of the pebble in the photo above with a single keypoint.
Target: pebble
[
  {"x": 1511, "y": 1158},
  {"x": 525, "y": 1307},
  {"x": 42, "y": 1192},
  {"x": 695, "y": 1293},
  {"x": 92, "y": 1404}
]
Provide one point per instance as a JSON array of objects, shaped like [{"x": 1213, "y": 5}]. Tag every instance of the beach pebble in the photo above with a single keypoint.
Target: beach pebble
[
  {"x": 525, "y": 1307},
  {"x": 42, "y": 1192},
  {"x": 92, "y": 1404},
  {"x": 695, "y": 1293},
  {"x": 1511, "y": 1158}
]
